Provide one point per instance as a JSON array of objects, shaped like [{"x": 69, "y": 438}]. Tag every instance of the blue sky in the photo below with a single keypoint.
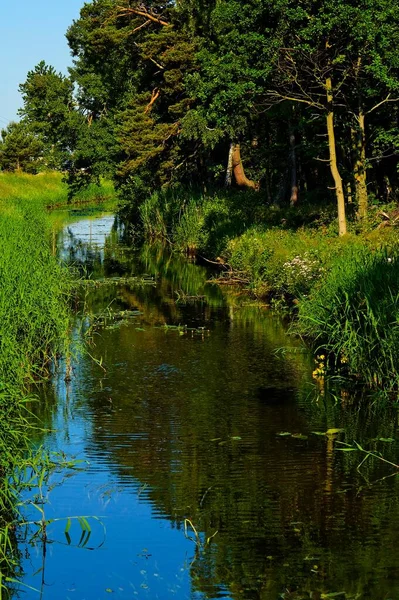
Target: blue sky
[{"x": 31, "y": 31}]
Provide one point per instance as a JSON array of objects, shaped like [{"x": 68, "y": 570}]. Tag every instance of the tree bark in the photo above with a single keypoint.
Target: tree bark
[
  {"x": 238, "y": 169},
  {"x": 339, "y": 189},
  {"x": 294, "y": 173},
  {"x": 229, "y": 170},
  {"x": 360, "y": 168}
]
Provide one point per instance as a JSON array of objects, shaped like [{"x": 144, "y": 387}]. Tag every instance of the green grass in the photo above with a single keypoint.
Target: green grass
[
  {"x": 352, "y": 315},
  {"x": 33, "y": 330},
  {"x": 48, "y": 189}
]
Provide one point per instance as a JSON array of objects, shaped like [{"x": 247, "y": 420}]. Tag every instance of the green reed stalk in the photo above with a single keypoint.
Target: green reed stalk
[{"x": 33, "y": 331}]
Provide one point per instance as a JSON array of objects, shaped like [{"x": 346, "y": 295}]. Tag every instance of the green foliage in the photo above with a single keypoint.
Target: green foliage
[
  {"x": 49, "y": 111},
  {"x": 354, "y": 314},
  {"x": 284, "y": 263},
  {"x": 20, "y": 149}
]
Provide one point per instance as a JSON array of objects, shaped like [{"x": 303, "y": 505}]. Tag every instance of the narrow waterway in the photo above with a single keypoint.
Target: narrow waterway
[{"x": 206, "y": 468}]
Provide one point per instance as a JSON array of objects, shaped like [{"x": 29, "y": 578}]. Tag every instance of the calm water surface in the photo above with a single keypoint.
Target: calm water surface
[{"x": 177, "y": 409}]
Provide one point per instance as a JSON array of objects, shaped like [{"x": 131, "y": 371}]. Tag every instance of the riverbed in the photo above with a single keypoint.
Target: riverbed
[{"x": 211, "y": 463}]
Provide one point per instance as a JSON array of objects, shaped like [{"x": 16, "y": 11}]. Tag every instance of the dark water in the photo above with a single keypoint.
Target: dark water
[{"x": 177, "y": 408}]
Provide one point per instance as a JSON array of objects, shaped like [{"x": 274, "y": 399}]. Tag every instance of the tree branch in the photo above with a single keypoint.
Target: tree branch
[
  {"x": 387, "y": 99},
  {"x": 145, "y": 24},
  {"x": 154, "y": 97},
  {"x": 124, "y": 12},
  {"x": 282, "y": 97}
]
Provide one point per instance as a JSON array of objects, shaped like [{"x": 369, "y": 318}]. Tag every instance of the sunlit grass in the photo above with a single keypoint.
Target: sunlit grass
[{"x": 48, "y": 189}]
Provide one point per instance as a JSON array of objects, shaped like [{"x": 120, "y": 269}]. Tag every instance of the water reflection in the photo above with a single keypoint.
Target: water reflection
[{"x": 180, "y": 415}]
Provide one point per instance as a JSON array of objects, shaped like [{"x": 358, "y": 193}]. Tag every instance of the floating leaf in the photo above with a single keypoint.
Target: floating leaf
[
  {"x": 236, "y": 438},
  {"x": 109, "y": 591},
  {"x": 387, "y": 440},
  {"x": 215, "y": 439},
  {"x": 299, "y": 436},
  {"x": 321, "y": 433},
  {"x": 222, "y": 443},
  {"x": 284, "y": 434}
]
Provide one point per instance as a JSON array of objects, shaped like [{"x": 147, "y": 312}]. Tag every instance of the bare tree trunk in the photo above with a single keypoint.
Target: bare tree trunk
[
  {"x": 360, "y": 168},
  {"x": 294, "y": 173},
  {"x": 339, "y": 190},
  {"x": 229, "y": 170},
  {"x": 238, "y": 169}
]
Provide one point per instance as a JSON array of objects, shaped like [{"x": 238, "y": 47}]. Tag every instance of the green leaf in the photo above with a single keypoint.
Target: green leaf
[
  {"x": 284, "y": 434},
  {"x": 334, "y": 431},
  {"x": 68, "y": 526}
]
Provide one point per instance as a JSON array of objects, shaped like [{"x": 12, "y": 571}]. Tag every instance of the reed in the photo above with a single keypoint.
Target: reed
[
  {"x": 33, "y": 331},
  {"x": 353, "y": 315}
]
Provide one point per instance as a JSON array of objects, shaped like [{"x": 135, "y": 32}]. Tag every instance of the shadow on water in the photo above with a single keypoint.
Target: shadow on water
[{"x": 190, "y": 410}]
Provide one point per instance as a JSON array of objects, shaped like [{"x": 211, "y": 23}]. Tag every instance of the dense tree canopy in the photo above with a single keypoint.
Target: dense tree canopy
[{"x": 297, "y": 99}]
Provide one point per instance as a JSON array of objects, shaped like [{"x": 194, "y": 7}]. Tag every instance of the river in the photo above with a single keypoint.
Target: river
[{"x": 206, "y": 467}]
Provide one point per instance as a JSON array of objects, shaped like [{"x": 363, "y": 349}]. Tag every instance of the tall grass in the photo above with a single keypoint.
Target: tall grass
[
  {"x": 195, "y": 221},
  {"x": 353, "y": 314},
  {"x": 48, "y": 189},
  {"x": 33, "y": 329}
]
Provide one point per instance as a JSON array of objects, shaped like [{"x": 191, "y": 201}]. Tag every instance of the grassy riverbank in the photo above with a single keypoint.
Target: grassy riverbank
[
  {"x": 49, "y": 190},
  {"x": 344, "y": 291},
  {"x": 33, "y": 330}
]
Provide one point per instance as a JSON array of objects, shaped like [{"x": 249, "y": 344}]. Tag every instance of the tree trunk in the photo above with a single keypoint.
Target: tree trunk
[
  {"x": 360, "y": 168},
  {"x": 294, "y": 173},
  {"x": 360, "y": 149},
  {"x": 339, "y": 190},
  {"x": 349, "y": 192},
  {"x": 229, "y": 170},
  {"x": 239, "y": 173}
]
